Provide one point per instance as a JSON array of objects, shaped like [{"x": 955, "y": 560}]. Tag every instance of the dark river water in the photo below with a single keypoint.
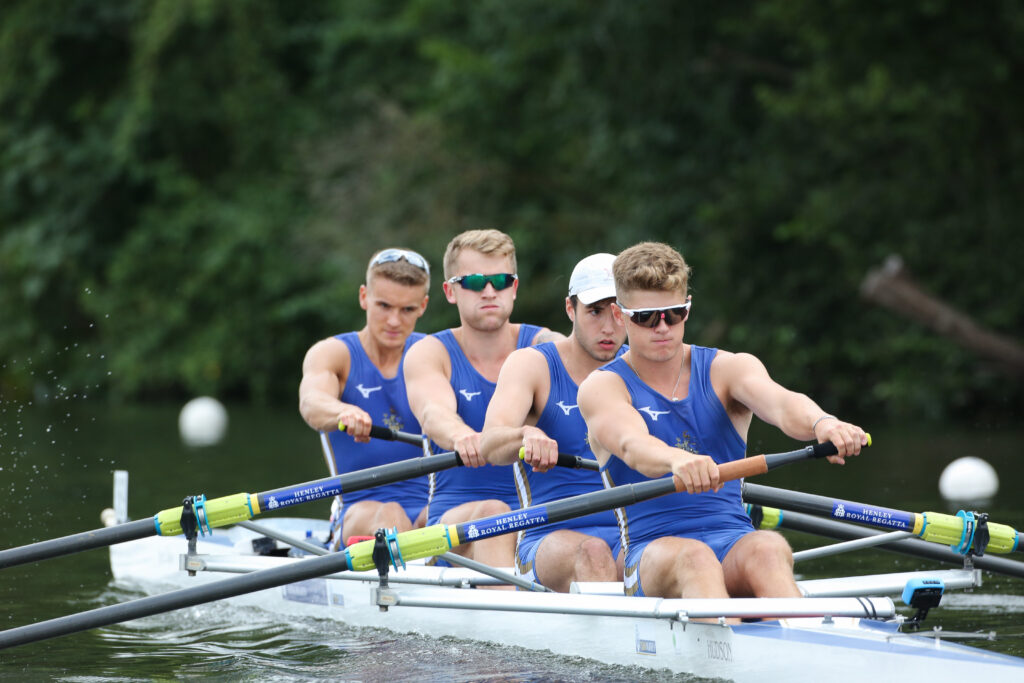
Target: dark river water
[{"x": 56, "y": 464}]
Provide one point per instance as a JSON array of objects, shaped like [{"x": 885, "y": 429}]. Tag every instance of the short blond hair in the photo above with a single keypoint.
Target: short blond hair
[
  {"x": 651, "y": 266},
  {"x": 400, "y": 271},
  {"x": 487, "y": 242}
]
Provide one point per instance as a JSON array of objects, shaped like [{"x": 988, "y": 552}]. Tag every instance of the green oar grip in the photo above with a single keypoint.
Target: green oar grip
[
  {"x": 219, "y": 512},
  {"x": 949, "y": 530},
  {"x": 413, "y": 545},
  {"x": 764, "y": 517}
]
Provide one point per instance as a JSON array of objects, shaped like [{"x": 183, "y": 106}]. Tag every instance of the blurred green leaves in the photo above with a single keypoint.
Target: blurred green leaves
[{"x": 192, "y": 188}]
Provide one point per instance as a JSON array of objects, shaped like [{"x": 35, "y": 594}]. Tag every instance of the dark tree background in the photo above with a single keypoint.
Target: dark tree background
[{"x": 190, "y": 189}]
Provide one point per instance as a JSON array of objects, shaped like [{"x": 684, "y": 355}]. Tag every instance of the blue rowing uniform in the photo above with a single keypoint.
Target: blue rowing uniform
[
  {"x": 697, "y": 423},
  {"x": 386, "y": 402},
  {"x": 561, "y": 421},
  {"x": 453, "y": 487}
]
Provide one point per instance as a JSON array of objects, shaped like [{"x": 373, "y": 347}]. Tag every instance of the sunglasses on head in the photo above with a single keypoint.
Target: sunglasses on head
[
  {"x": 477, "y": 281},
  {"x": 392, "y": 255},
  {"x": 650, "y": 317}
]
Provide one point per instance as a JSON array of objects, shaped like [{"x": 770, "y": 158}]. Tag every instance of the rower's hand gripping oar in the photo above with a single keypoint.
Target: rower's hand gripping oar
[
  {"x": 407, "y": 545},
  {"x": 440, "y": 538},
  {"x": 574, "y": 461}
]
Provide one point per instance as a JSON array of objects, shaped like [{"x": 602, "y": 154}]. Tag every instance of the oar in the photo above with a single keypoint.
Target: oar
[
  {"x": 231, "y": 509},
  {"x": 962, "y": 532},
  {"x": 914, "y": 547},
  {"x": 410, "y": 545},
  {"x": 578, "y": 461},
  {"x": 218, "y": 512},
  {"x": 440, "y": 538}
]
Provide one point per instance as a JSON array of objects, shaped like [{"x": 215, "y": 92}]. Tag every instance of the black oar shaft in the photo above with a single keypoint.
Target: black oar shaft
[
  {"x": 875, "y": 515},
  {"x": 356, "y": 481},
  {"x": 269, "y": 500},
  {"x": 620, "y": 496},
  {"x": 87, "y": 540},
  {"x": 319, "y": 566},
  {"x": 179, "y": 599},
  {"x": 797, "y": 521}
]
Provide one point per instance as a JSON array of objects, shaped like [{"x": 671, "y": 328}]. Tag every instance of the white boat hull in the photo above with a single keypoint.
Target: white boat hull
[{"x": 651, "y": 633}]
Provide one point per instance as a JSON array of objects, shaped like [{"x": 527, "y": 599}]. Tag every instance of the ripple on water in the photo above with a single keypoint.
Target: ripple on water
[{"x": 230, "y": 643}]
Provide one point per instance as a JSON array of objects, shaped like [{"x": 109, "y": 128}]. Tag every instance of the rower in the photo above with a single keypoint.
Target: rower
[
  {"x": 451, "y": 376},
  {"x": 669, "y": 408},
  {"x": 356, "y": 379},
  {"x": 534, "y": 409}
]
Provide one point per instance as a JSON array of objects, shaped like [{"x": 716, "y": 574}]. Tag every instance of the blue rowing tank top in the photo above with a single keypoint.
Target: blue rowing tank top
[
  {"x": 473, "y": 392},
  {"x": 387, "y": 404},
  {"x": 561, "y": 421},
  {"x": 697, "y": 423}
]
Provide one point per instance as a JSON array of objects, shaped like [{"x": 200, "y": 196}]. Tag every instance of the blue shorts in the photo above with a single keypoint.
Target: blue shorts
[
  {"x": 720, "y": 540},
  {"x": 526, "y": 548}
]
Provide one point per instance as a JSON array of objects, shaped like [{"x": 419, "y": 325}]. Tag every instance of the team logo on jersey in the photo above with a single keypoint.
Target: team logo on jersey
[
  {"x": 566, "y": 409},
  {"x": 469, "y": 394},
  {"x": 392, "y": 421},
  {"x": 688, "y": 443},
  {"x": 366, "y": 391},
  {"x": 653, "y": 413}
]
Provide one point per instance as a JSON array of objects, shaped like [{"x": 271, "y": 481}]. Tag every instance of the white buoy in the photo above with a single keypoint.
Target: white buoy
[
  {"x": 969, "y": 479},
  {"x": 202, "y": 422}
]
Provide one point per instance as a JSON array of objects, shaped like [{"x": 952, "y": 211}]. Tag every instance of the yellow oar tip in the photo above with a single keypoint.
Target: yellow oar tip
[
  {"x": 869, "y": 437},
  {"x": 522, "y": 452}
]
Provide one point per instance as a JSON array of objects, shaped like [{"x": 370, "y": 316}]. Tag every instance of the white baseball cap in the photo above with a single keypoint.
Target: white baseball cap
[{"x": 592, "y": 279}]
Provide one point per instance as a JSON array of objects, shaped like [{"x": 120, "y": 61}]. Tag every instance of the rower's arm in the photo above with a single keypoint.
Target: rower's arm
[
  {"x": 427, "y": 371},
  {"x": 324, "y": 373},
  {"x": 514, "y": 410},
  {"x": 746, "y": 380},
  {"x": 616, "y": 427}
]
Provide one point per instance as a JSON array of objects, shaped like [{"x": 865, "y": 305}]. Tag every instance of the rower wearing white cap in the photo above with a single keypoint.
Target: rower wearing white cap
[{"x": 534, "y": 409}]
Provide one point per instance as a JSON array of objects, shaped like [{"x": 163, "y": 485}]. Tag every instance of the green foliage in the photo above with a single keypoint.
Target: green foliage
[{"x": 191, "y": 189}]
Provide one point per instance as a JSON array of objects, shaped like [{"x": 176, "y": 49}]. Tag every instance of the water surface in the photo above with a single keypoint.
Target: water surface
[{"x": 57, "y": 463}]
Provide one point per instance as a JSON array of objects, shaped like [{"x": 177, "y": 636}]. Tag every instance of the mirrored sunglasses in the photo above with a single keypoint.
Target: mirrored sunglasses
[
  {"x": 392, "y": 255},
  {"x": 649, "y": 317},
  {"x": 477, "y": 281}
]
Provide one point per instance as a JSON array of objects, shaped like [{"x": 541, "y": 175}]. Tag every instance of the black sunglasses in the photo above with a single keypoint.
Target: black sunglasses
[
  {"x": 649, "y": 317},
  {"x": 477, "y": 281},
  {"x": 392, "y": 255}
]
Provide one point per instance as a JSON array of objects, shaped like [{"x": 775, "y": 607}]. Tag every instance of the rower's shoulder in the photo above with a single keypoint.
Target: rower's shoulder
[
  {"x": 528, "y": 361},
  {"x": 423, "y": 354},
  {"x": 545, "y": 334},
  {"x": 328, "y": 353},
  {"x": 597, "y": 385},
  {"x": 425, "y": 346},
  {"x": 733, "y": 362}
]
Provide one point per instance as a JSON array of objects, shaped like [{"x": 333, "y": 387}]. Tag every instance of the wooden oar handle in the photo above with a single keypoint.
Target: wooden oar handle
[
  {"x": 747, "y": 467},
  {"x": 759, "y": 464}
]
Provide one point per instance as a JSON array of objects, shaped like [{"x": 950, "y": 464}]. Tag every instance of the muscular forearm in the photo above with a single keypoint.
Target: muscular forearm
[
  {"x": 798, "y": 416},
  {"x": 500, "y": 445},
  {"x": 320, "y": 411},
  {"x": 648, "y": 455},
  {"x": 442, "y": 426}
]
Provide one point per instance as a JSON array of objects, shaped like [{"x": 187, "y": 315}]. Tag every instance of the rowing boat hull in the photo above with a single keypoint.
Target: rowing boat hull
[{"x": 789, "y": 649}]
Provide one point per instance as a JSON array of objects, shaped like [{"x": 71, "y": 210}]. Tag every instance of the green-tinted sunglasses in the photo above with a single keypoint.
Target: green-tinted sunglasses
[{"x": 477, "y": 281}]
